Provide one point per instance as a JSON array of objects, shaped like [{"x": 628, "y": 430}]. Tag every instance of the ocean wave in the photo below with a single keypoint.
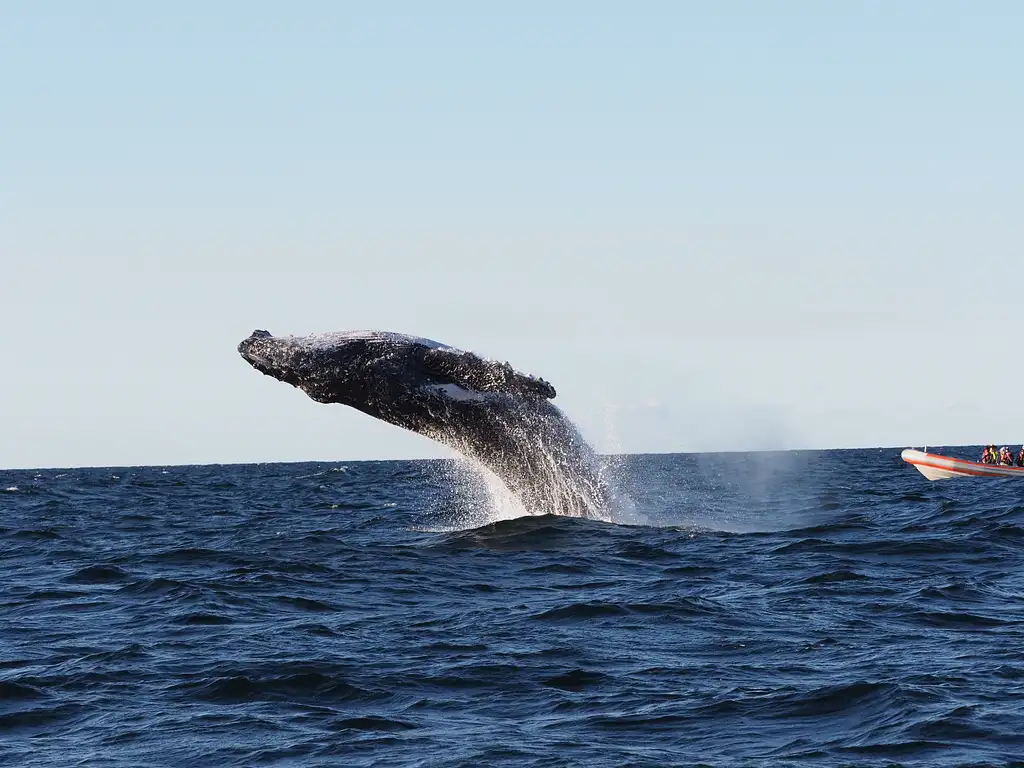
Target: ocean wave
[{"x": 845, "y": 613}]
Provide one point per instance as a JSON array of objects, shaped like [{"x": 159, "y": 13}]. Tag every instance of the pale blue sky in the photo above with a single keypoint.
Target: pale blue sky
[{"x": 710, "y": 225}]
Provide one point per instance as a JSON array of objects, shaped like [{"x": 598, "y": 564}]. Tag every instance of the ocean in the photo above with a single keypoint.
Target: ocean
[{"x": 800, "y": 608}]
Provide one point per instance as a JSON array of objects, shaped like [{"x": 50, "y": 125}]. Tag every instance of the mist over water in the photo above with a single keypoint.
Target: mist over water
[{"x": 820, "y": 608}]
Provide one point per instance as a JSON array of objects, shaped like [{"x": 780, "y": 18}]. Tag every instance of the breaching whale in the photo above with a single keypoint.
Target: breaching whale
[{"x": 483, "y": 409}]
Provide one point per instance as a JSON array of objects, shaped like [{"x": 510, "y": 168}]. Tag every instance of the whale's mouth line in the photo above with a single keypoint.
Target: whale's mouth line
[{"x": 265, "y": 368}]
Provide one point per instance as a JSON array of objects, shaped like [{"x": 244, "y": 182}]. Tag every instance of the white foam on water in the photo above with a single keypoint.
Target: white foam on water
[
  {"x": 622, "y": 510},
  {"x": 478, "y": 497}
]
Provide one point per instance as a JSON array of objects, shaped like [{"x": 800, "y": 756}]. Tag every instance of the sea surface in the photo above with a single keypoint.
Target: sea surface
[{"x": 823, "y": 608}]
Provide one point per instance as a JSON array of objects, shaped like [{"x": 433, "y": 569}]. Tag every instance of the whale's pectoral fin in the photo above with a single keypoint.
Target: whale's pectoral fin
[{"x": 474, "y": 373}]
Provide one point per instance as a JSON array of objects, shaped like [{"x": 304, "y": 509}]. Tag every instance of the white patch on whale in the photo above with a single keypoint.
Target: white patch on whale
[{"x": 455, "y": 392}]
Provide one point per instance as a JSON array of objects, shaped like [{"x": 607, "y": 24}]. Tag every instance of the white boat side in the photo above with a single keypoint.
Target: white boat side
[{"x": 934, "y": 466}]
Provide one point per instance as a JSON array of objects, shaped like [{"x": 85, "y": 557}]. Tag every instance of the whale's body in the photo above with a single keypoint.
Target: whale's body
[{"x": 483, "y": 409}]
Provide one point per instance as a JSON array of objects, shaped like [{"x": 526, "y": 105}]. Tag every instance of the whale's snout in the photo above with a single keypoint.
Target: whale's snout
[
  {"x": 251, "y": 346},
  {"x": 299, "y": 361},
  {"x": 272, "y": 356}
]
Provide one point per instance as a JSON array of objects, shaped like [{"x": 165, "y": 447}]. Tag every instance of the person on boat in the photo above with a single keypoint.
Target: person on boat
[
  {"x": 988, "y": 456},
  {"x": 1020, "y": 457},
  {"x": 1005, "y": 457}
]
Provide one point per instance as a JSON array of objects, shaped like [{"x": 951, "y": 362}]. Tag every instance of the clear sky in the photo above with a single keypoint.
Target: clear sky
[{"x": 711, "y": 225}]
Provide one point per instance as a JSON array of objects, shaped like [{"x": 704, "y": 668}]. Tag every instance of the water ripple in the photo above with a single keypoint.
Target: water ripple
[{"x": 827, "y": 608}]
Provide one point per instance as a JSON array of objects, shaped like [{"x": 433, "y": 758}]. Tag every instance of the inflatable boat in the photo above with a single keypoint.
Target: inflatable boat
[{"x": 937, "y": 467}]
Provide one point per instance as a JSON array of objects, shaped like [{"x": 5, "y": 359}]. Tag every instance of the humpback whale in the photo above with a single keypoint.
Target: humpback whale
[{"x": 483, "y": 409}]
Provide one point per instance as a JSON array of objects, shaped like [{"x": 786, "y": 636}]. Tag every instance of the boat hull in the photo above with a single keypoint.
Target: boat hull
[{"x": 934, "y": 466}]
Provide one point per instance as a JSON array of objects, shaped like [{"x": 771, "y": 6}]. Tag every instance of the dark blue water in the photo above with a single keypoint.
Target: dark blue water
[{"x": 828, "y": 608}]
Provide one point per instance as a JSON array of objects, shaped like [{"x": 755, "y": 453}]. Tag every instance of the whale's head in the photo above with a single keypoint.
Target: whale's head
[
  {"x": 354, "y": 367},
  {"x": 326, "y": 367}
]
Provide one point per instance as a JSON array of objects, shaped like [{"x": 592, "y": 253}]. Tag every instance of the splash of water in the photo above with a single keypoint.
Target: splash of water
[
  {"x": 544, "y": 466},
  {"x": 478, "y": 497}
]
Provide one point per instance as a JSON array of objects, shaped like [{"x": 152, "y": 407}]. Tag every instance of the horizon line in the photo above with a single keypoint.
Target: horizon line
[{"x": 458, "y": 458}]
